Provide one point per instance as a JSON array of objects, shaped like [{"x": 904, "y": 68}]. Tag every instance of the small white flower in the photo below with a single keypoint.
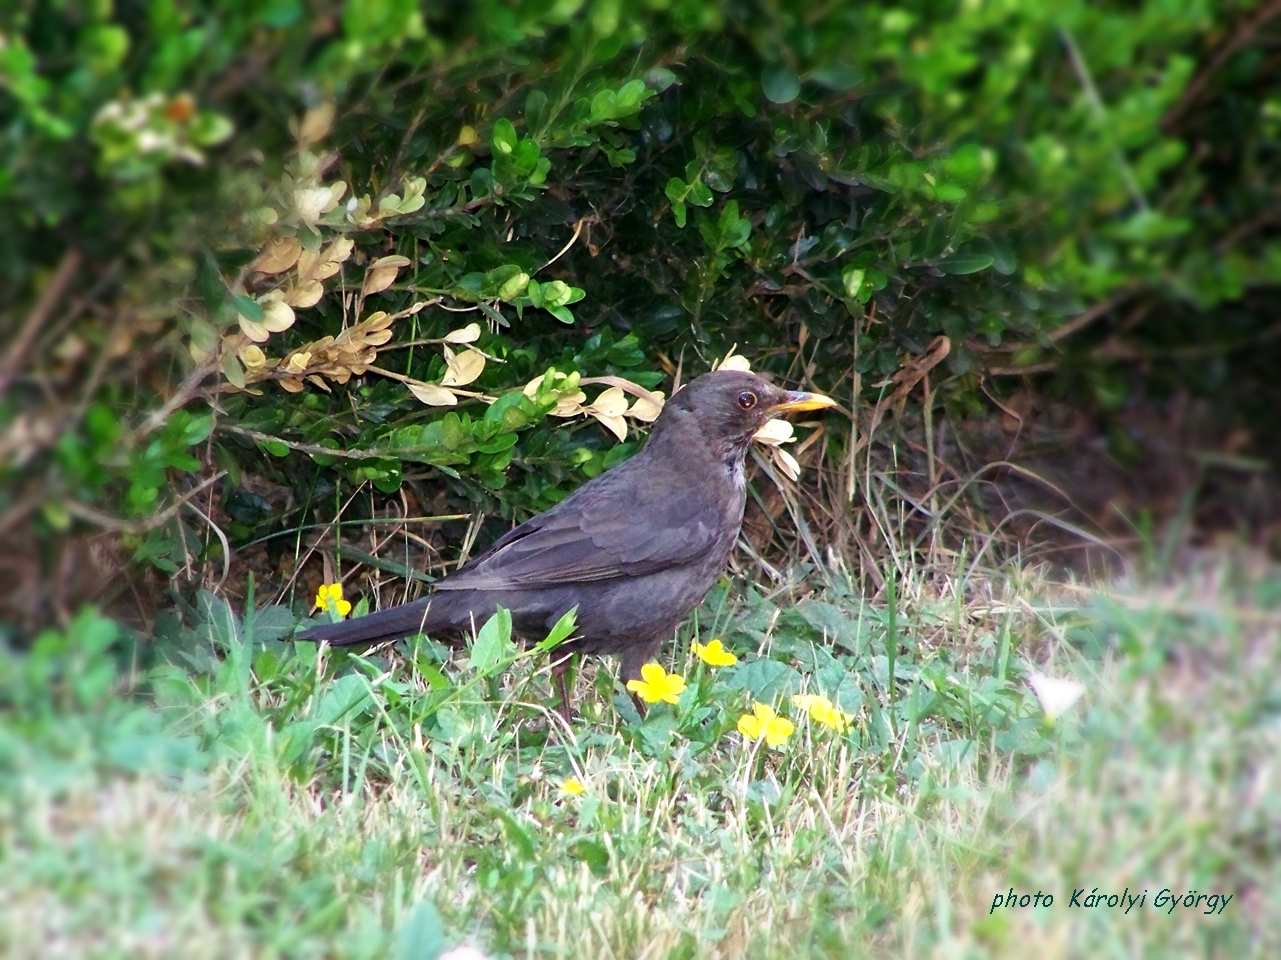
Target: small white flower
[{"x": 1056, "y": 696}]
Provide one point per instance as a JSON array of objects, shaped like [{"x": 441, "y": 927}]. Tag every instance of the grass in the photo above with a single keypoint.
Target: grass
[{"x": 229, "y": 795}]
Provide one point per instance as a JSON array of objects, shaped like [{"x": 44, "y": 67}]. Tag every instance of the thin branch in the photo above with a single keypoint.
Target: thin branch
[
  {"x": 578, "y": 229},
  {"x": 309, "y": 448},
  {"x": 1101, "y": 115},
  {"x": 38, "y": 316},
  {"x": 1244, "y": 34}
]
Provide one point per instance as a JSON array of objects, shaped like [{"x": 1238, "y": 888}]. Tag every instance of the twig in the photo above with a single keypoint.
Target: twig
[
  {"x": 627, "y": 386},
  {"x": 1245, "y": 32},
  {"x": 87, "y": 513},
  {"x": 38, "y": 316},
  {"x": 309, "y": 448},
  {"x": 188, "y": 390},
  {"x": 1101, "y": 115},
  {"x": 578, "y": 229}
]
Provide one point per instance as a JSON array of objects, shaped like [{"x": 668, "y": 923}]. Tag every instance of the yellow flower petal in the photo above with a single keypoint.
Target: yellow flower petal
[
  {"x": 764, "y": 722},
  {"x": 714, "y": 654},
  {"x": 777, "y": 731},
  {"x": 573, "y": 786},
  {"x": 329, "y": 597},
  {"x": 822, "y": 710},
  {"x": 657, "y": 685}
]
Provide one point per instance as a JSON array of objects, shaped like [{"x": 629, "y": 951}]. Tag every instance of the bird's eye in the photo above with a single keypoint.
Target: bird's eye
[{"x": 747, "y": 400}]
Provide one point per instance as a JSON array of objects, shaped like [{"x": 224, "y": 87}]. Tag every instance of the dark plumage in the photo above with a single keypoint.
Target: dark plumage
[{"x": 635, "y": 549}]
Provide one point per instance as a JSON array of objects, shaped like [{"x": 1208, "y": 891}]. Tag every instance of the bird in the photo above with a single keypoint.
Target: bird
[{"x": 635, "y": 548}]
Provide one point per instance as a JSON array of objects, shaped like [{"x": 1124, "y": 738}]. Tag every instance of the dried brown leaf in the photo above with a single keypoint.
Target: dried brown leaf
[
  {"x": 305, "y": 294},
  {"x": 278, "y": 256},
  {"x": 432, "y": 395},
  {"x": 378, "y": 279},
  {"x": 462, "y": 367},
  {"x": 467, "y": 334}
]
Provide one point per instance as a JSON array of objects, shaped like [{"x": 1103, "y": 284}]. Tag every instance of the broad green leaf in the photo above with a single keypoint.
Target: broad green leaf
[
  {"x": 962, "y": 263},
  {"x": 780, "y": 83}
]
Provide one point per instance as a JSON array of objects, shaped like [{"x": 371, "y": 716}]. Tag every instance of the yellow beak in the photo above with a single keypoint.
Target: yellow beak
[{"x": 797, "y": 402}]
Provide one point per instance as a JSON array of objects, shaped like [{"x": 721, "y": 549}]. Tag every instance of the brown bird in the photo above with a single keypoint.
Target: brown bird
[{"x": 635, "y": 549}]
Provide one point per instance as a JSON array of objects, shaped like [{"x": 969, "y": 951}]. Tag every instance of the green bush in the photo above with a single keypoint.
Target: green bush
[{"x": 387, "y": 244}]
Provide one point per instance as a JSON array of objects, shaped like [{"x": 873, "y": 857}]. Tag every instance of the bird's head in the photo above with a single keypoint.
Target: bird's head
[{"x": 729, "y": 406}]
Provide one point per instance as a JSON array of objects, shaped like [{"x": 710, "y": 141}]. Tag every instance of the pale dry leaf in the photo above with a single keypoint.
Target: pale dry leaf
[
  {"x": 312, "y": 203},
  {"x": 773, "y": 432},
  {"x": 382, "y": 273},
  {"x": 277, "y": 316},
  {"x": 647, "y": 410},
  {"x": 469, "y": 334},
  {"x": 732, "y": 361},
  {"x": 252, "y": 357},
  {"x": 307, "y": 261},
  {"x": 787, "y": 464},
  {"x": 254, "y": 330},
  {"x": 291, "y": 384},
  {"x": 432, "y": 395},
  {"x": 278, "y": 256},
  {"x": 305, "y": 294},
  {"x": 377, "y": 280},
  {"x": 462, "y": 367},
  {"x": 611, "y": 403},
  {"x": 615, "y": 423},
  {"x": 325, "y": 269},
  {"x": 315, "y": 124},
  {"x": 297, "y": 362},
  {"x": 570, "y": 405},
  {"x": 339, "y": 250}
]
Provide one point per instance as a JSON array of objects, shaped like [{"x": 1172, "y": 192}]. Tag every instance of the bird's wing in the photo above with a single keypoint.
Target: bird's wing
[{"x": 611, "y": 527}]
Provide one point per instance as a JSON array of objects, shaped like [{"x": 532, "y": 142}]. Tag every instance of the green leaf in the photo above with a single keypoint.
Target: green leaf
[
  {"x": 421, "y": 934},
  {"x": 780, "y": 83},
  {"x": 603, "y": 106},
  {"x": 852, "y": 280},
  {"x": 629, "y": 98},
  {"x": 700, "y": 195},
  {"x": 247, "y": 307},
  {"x": 837, "y": 76},
  {"x": 493, "y": 644},
  {"x": 504, "y": 139},
  {"x": 960, "y": 264},
  {"x": 535, "y": 112},
  {"x": 560, "y": 632}
]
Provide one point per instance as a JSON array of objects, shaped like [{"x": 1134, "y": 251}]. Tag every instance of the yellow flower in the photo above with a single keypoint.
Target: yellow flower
[
  {"x": 714, "y": 654},
  {"x": 573, "y": 786},
  {"x": 657, "y": 684},
  {"x": 823, "y": 711},
  {"x": 329, "y": 597},
  {"x": 764, "y": 722}
]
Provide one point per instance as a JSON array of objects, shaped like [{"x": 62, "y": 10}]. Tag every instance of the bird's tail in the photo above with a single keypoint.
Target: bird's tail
[{"x": 390, "y": 624}]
